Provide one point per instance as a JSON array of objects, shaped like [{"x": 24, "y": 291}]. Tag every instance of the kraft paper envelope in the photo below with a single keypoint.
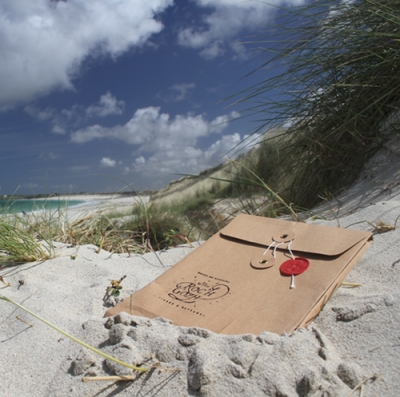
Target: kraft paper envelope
[{"x": 219, "y": 286}]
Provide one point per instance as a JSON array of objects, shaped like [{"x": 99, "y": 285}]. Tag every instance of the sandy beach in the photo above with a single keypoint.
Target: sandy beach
[
  {"x": 100, "y": 203},
  {"x": 352, "y": 347}
]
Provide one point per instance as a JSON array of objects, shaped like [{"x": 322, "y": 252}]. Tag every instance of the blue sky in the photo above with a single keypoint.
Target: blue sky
[{"x": 93, "y": 91}]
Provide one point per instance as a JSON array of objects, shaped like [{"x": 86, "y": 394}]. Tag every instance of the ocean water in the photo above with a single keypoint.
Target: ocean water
[{"x": 14, "y": 206}]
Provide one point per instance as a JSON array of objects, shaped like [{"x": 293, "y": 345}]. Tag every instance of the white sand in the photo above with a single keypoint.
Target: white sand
[
  {"x": 95, "y": 203},
  {"x": 356, "y": 336}
]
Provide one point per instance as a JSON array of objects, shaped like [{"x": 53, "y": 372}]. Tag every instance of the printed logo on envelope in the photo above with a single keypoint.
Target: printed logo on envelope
[{"x": 190, "y": 292}]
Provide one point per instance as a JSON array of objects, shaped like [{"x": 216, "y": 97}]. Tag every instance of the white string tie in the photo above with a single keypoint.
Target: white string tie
[
  {"x": 288, "y": 247},
  {"x": 275, "y": 247}
]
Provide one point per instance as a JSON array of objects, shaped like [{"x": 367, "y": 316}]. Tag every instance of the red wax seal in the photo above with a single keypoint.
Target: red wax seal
[{"x": 293, "y": 267}]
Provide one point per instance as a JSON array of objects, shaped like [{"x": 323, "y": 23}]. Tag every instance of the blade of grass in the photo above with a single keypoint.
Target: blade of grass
[{"x": 97, "y": 351}]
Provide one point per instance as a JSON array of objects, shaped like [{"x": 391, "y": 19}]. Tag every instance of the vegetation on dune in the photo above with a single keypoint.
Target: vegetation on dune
[
  {"x": 340, "y": 83},
  {"x": 147, "y": 227},
  {"x": 18, "y": 245}
]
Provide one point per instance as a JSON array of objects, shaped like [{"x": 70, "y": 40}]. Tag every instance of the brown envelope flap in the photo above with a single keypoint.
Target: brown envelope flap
[{"x": 313, "y": 239}]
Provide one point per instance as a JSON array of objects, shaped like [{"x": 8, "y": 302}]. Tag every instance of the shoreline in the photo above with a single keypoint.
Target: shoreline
[
  {"x": 93, "y": 204},
  {"x": 88, "y": 206}
]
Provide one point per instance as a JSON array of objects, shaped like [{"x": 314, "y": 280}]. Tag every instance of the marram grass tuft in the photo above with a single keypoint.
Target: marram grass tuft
[{"x": 336, "y": 68}]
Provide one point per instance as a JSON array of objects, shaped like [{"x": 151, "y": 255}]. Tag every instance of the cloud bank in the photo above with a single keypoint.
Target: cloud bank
[
  {"x": 154, "y": 130},
  {"x": 164, "y": 144},
  {"x": 43, "y": 43}
]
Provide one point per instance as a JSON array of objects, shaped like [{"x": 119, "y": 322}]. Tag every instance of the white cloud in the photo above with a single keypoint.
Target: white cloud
[
  {"x": 154, "y": 131},
  {"x": 62, "y": 120},
  {"x": 220, "y": 122},
  {"x": 179, "y": 92},
  {"x": 165, "y": 144},
  {"x": 108, "y": 105},
  {"x": 226, "y": 21},
  {"x": 140, "y": 160},
  {"x": 43, "y": 43},
  {"x": 59, "y": 120},
  {"x": 221, "y": 147},
  {"x": 185, "y": 160},
  {"x": 42, "y": 115},
  {"x": 107, "y": 162}
]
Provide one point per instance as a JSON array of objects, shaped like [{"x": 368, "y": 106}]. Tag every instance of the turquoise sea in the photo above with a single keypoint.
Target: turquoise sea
[{"x": 14, "y": 206}]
